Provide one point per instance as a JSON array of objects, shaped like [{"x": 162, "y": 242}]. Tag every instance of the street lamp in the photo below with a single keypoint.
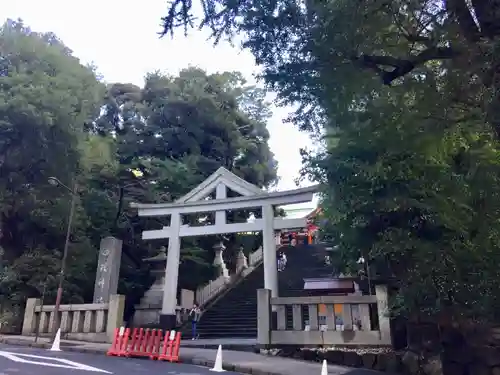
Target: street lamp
[{"x": 74, "y": 194}]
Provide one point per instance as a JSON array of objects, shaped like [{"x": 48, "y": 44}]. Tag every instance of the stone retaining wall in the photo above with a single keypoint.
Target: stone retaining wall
[{"x": 481, "y": 361}]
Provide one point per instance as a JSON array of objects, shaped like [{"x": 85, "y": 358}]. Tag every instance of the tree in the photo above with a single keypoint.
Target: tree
[
  {"x": 411, "y": 152},
  {"x": 46, "y": 97},
  {"x": 387, "y": 40},
  {"x": 179, "y": 130},
  {"x": 196, "y": 115}
]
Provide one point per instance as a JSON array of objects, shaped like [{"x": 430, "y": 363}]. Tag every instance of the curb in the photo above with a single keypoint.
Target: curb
[
  {"x": 233, "y": 347},
  {"x": 189, "y": 360},
  {"x": 41, "y": 345}
]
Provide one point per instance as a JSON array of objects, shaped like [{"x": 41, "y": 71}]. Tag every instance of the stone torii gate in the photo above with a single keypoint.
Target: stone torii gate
[{"x": 195, "y": 202}]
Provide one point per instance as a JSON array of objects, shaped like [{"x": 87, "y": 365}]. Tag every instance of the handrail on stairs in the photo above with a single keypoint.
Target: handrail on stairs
[
  {"x": 208, "y": 292},
  {"x": 255, "y": 257}
]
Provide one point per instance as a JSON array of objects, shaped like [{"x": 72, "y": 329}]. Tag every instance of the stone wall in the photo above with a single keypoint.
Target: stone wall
[
  {"x": 466, "y": 349},
  {"x": 483, "y": 360},
  {"x": 376, "y": 359},
  {"x": 477, "y": 361}
]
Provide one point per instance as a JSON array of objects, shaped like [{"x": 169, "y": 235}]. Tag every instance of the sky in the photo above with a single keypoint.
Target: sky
[{"x": 122, "y": 40}]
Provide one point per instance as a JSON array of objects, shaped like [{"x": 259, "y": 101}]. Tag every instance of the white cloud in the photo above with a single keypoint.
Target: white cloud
[{"x": 121, "y": 39}]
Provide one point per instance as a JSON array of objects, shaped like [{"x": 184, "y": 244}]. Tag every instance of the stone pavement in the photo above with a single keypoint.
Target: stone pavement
[{"x": 243, "y": 362}]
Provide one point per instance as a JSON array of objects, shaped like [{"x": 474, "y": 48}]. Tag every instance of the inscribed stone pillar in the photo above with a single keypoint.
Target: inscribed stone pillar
[{"x": 108, "y": 269}]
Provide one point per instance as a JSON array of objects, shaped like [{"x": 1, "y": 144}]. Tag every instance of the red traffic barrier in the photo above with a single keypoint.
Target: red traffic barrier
[
  {"x": 155, "y": 343},
  {"x": 120, "y": 342},
  {"x": 170, "y": 348},
  {"x": 146, "y": 343},
  {"x": 138, "y": 344}
]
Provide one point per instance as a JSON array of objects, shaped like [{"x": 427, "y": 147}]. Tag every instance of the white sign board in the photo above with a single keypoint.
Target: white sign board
[
  {"x": 172, "y": 335},
  {"x": 49, "y": 362}
]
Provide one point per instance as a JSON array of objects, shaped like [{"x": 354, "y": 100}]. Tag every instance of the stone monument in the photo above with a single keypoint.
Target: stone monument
[{"x": 108, "y": 269}]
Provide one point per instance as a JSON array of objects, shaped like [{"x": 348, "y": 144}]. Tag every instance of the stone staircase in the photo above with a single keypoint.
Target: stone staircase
[{"x": 234, "y": 314}]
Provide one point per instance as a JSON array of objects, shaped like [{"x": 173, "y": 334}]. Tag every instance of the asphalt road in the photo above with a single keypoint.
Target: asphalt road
[{"x": 15, "y": 360}]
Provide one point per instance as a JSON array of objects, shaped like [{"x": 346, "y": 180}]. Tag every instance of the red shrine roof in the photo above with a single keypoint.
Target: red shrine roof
[{"x": 314, "y": 213}]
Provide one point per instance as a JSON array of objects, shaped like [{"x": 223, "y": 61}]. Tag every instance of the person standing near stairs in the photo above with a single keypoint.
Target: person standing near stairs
[
  {"x": 281, "y": 261},
  {"x": 194, "y": 314}
]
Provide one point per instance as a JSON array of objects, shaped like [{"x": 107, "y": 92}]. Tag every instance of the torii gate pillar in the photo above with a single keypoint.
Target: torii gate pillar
[
  {"x": 168, "y": 316},
  {"x": 269, "y": 251}
]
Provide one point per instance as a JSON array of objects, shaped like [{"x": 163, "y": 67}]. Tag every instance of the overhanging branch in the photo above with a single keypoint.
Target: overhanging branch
[
  {"x": 401, "y": 67},
  {"x": 487, "y": 15},
  {"x": 460, "y": 10}
]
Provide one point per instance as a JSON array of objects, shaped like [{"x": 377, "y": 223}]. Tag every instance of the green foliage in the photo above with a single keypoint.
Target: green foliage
[
  {"x": 425, "y": 219},
  {"x": 297, "y": 43},
  {"x": 58, "y": 119},
  {"x": 404, "y": 95},
  {"x": 46, "y": 97}
]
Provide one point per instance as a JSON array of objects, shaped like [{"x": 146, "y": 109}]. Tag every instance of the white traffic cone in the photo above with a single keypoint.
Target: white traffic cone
[
  {"x": 218, "y": 361},
  {"x": 324, "y": 368},
  {"x": 57, "y": 342}
]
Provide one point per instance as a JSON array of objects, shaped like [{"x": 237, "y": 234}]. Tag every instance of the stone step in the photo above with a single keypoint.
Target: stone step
[
  {"x": 241, "y": 302},
  {"x": 228, "y": 331},
  {"x": 235, "y": 314},
  {"x": 231, "y": 308},
  {"x": 226, "y": 327},
  {"x": 233, "y": 311},
  {"x": 231, "y": 334},
  {"x": 237, "y": 304},
  {"x": 221, "y": 319}
]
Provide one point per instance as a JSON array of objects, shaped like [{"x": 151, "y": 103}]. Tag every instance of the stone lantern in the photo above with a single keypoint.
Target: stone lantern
[
  {"x": 148, "y": 309},
  {"x": 154, "y": 295},
  {"x": 219, "y": 260}
]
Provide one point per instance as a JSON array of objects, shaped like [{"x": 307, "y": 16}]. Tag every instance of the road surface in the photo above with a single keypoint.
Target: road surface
[{"x": 15, "y": 360}]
